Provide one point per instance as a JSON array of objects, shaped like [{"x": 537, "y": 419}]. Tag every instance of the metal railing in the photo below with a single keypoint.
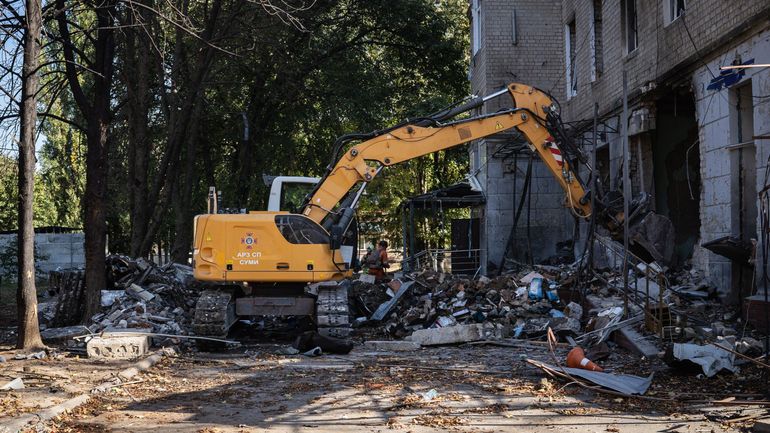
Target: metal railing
[{"x": 458, "y": 262}]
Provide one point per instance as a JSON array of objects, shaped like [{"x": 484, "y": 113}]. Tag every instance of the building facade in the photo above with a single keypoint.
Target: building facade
[{"x": 697, "y": 135}]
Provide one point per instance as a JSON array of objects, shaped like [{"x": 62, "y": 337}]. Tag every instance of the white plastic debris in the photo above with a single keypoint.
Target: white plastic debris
[
  {"x": 711, "y": 358},
  {"x": 13, "y": 385},
  {"x": 430, "y": 395}
]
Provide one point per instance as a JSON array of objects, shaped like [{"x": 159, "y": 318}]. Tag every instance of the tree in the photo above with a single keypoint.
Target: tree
[
  {"x": 26, "y": 297},
  {"x": 95, "y": 107}
]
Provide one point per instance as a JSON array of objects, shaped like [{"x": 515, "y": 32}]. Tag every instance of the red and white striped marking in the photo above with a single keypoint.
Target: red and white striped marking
[{"x": 554, "y": 150}]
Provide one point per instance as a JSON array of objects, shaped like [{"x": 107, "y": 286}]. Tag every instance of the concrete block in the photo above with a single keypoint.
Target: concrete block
[
  {"x": 451, "y": 335},
  {"x": 139, "y": 293},
  {"x": 111, "y": 346},
  {"x": 391, "y": 346}
]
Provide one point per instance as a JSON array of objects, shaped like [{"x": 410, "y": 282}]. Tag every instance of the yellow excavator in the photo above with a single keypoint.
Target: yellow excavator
[{"x": 282, "y": 263}]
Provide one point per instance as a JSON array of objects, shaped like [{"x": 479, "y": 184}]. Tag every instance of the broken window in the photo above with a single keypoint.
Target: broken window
[
  {"x": 475, "y": 26},
  {"x": 628, "y": 24},
  {"x": 569, "y": 51},
  {"x": 673, "y": 9},
  {"x": 597, "y": 51}
]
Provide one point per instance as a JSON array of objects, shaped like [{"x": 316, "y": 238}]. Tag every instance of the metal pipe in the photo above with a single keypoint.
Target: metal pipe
[
  {"x": 626, "y": 187},
  {"x": 495, "y": 94}
]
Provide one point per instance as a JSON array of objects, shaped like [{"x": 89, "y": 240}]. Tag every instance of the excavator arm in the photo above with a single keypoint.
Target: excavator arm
[{"x": 363, "y": 161}]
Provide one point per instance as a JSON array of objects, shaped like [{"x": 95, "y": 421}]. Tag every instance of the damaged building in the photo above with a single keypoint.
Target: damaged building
[{"x": 697, "y": 134}]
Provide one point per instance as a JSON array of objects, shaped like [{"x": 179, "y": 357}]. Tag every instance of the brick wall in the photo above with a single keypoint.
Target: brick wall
[
  {"x": 535, "y": 59},
  {"x": 717, "y": 132},
  {"x": 668, "y": 54},
  {"x": 663, "y": 49}
]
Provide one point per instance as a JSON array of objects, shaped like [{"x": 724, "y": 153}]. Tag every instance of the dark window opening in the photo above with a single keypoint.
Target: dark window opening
[
  {"x": 297, "y": 229},
  {"x": 629, "y": 25},
  {"x": 571, "y": 33},
  {"x": 598, "y": 50}
]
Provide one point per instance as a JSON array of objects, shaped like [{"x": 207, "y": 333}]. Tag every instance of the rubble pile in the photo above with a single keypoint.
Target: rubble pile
[
  {"x": 147, "y": 297},
  {"x": 673, "y": 314},
  {"x": 520, "y": 305}
]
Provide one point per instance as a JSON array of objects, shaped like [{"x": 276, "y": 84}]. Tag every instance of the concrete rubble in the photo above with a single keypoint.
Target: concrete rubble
[
  {"x": 666, "y": 309},
  {"x": 140, "y": 297},
  {"x": 661, "y": 308},
  {"x": 116, "y": 346}
]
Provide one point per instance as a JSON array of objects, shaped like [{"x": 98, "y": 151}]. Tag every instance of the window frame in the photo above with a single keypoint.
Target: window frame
[
  {"x": 624, "y": 26},
  {"x": 475, "y": 27},
  {"x": 670, "y": 11},
  {"x": 597, "y": 43},
  {"x": 570, "y": 58}
]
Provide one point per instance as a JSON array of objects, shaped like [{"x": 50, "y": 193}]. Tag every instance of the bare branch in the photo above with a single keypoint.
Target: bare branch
[
  {"x": 181, "y": 26},
  {"x": 285, "y": 12}
]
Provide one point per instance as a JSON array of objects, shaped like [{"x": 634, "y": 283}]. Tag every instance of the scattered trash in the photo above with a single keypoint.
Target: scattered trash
[
  {"x": 709, "y": 359},
  {"x": 35, "y": 355},
  {"x": 316, "y": 351},
  {"x": 429, "y": 396},
  {"x": 13, "y": 385}
]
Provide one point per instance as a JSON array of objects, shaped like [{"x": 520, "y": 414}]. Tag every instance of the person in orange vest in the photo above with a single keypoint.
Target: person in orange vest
[{"x": 377, "y": 260}]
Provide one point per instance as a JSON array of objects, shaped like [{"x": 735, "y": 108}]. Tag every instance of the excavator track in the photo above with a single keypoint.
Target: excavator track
[
  {"x": 214, "y": 314},
  {"x": 332, "y": 310}
]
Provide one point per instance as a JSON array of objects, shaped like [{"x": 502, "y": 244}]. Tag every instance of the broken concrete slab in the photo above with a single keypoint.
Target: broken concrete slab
[
  {"x": 112, "y": 346},
  {"x": 453, "y": 334},
  {"x": 635, "y": 342},
  {"x": 63, "y": 334},
  {"x": 391, "y": 346},
  {"x": 139, "y": 293}
]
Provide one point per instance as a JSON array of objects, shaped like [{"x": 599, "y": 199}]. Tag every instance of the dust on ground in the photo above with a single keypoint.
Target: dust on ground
[{"x": 433, "y": 389}]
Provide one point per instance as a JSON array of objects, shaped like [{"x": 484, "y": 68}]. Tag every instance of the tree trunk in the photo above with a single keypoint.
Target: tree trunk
[
  {"x": 26, "y": 296},
  {"x": 97, "y": 112},
  {"x": 138, "y": 96},
  {"x": 182, "y": 196},
  {"x": 94, "y": 222}
]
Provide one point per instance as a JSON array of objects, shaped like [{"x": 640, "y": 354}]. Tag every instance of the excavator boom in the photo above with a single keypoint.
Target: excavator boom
[
  {"x": 281, "y": 247},
  {"x": 361, "y": 162}
]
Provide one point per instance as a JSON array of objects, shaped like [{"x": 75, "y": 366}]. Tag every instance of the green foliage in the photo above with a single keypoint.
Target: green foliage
[
  {"x": 359, "y": 65},
  {"x": 9, "y": 197}
]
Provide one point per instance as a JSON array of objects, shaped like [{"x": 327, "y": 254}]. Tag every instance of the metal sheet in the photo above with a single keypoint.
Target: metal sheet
[
  {"x": 623, "y": 383},
  {"x": 385, "y": 307}
]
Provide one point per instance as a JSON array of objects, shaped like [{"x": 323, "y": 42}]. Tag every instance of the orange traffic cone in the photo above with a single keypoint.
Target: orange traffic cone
[{"x": 576, "y": 358}]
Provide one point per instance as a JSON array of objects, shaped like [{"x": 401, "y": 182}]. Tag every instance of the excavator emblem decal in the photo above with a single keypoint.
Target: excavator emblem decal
[{"x": 249, "y": 240}]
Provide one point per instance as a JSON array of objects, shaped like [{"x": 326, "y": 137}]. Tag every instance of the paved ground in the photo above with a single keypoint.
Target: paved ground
[{"x": 256, "y": 389}]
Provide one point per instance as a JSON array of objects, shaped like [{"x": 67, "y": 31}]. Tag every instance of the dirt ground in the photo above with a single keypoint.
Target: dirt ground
[{"x": 477, "y": 389}]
